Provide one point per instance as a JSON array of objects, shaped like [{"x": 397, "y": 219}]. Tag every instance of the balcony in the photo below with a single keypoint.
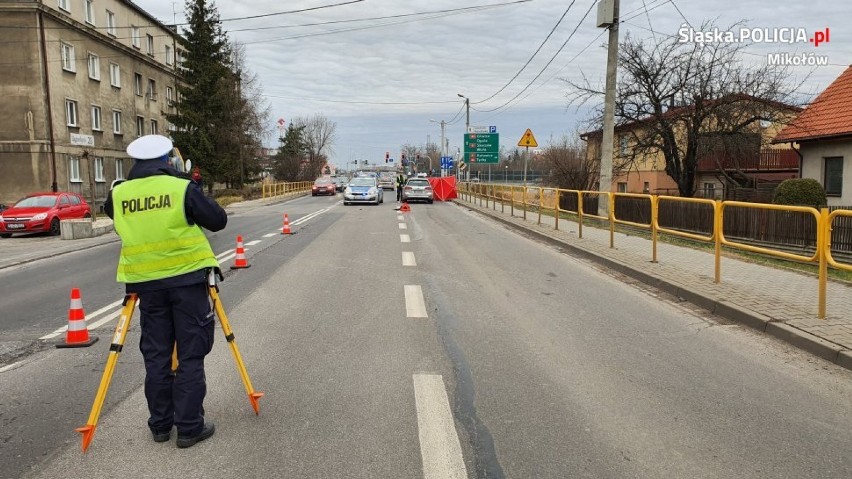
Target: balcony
[{"x": 769, "y": 160}]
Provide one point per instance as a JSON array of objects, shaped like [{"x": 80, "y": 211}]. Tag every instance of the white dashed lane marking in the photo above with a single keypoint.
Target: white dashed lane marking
[
  {"x": 252, "y": 243},
  {"x": 400, "y": 217},
  {"x": 415, "y": 307},
  {"x": 403, "y": 226},
  {"x": 408, "y": 259},
  {"x": 405, "y": 238},
  {"x": 439, "y": 442}
]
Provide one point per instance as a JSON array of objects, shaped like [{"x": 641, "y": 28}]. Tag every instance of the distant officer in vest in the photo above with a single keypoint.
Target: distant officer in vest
[
  {"x": 165, "y": 258},
  {"x": 400, "y": 182}
]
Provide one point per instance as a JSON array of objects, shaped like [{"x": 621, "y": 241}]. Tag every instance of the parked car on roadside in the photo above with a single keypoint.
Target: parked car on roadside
[
  {"x": 418, "y": 189},
  {"x": 42, "y": 212}
]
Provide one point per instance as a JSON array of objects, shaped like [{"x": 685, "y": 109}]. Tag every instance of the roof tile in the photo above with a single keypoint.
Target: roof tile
[{"x": 830, "y": 114}]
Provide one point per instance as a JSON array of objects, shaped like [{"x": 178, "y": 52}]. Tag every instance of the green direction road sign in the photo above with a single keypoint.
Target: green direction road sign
[{"x": 482, "y": 147}]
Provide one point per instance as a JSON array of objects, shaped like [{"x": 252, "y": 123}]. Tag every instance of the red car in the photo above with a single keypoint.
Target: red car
[
  {"x": 324, "y": 186},
  {"x": 42, "y": 212}
]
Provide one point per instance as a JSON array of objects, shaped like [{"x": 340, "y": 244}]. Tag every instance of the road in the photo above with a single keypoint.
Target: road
[{"x": 466, "y": 351}]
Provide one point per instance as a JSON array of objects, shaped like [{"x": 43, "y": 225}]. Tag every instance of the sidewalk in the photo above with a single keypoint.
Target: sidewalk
[{"x": 779, "y": 302}]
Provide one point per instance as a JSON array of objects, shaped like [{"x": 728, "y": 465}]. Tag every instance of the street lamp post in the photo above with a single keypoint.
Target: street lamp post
[
  {"x": 443, "y": 149},
  {"x": 506, "y": 174}
]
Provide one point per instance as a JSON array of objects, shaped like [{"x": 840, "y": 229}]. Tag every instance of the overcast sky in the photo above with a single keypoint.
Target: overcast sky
[{"x": 383, "y": 80}]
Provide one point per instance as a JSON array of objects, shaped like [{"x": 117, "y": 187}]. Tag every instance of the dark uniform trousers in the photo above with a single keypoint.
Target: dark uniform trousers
[{"x": 181, "y": 314}]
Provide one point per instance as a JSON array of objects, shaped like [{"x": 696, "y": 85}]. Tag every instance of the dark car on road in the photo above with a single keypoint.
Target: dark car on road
[
  {"x": 42, "y": 212},
  {"x": 323, "y": 186}
]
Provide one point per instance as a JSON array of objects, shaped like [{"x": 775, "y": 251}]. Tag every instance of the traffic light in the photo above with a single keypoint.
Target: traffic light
[{"x": 387, "y": 157}]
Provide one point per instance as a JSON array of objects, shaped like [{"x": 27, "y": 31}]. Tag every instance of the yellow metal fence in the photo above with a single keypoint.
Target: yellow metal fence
[
  {"x": 271, "y": 190},
  {"x": 544, "y": 200}
]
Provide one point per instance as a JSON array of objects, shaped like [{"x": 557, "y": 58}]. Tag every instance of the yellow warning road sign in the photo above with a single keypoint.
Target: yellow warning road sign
[{"x": 528, "y": 139}]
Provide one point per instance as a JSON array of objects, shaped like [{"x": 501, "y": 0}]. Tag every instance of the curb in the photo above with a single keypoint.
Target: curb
[
  {"x": 55, "y": 254},
  {"x": 720, "y": 307}
]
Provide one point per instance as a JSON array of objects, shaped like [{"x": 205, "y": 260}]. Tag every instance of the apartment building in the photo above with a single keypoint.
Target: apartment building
[{"x": 80, "y": 80}]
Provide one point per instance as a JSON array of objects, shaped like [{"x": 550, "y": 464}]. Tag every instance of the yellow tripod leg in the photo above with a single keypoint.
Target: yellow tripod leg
[
  {"x": 229, "y": 336},
  {"x": 88, "y": 431}
]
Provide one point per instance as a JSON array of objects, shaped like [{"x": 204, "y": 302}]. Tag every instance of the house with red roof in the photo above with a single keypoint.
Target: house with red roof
[{"x": 824, "y": 134}]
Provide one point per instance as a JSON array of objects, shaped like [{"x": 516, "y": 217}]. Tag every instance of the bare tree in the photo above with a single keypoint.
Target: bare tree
[
  {"x": 410, "y": 151},
  {"x": 570, "y": 167},
  {"x": 674, "y": 98},
  {"x": 319, "y": 136}
]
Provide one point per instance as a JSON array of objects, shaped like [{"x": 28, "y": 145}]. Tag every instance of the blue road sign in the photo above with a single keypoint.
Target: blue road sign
[
  {"x": 446, "y": 162},
  {"x": 492, "y": 129}
]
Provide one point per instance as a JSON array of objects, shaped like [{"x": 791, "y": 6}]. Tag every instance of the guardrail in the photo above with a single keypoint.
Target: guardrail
[
  {"x": 272, "y": 190},
  {"x": 547, "y": 200}
]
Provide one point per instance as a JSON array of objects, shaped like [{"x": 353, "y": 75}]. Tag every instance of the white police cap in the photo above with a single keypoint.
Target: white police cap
[{"x": 149, "y": 147}]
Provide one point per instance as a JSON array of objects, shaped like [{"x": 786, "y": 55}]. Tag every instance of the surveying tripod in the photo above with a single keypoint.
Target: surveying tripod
[{"x": 118, "y": 338}]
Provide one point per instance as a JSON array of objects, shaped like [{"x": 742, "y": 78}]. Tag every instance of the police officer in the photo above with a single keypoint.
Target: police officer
[
  {"x": 400, "y": 182},
  {"x": 165, "y": 258}
]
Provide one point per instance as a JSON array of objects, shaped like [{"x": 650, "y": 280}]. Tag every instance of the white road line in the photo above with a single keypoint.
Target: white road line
[
  {"x": 10, "y": 366},
  {"x": 439, "y": 442},
  {"x": 224, "y": 253},
  {"x": 405, "y": 238},
  {"x": 269, "y": 235},
  {"x": 227, "y": 258},
  {"x": 89, "y": 317},
  {"x": 403, "y": 226},
  {"x": 415, "y": 307},
  {"x": 400, "y": 217},
  {"x": 252, "y": 243},
  {"x": 408, "y": 259}
]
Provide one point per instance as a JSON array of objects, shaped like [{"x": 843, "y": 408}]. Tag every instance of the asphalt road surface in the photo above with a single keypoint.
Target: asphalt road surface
[{"x": 437, "y": 345}]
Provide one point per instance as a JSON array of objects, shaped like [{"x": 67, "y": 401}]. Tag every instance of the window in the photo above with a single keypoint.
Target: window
[
  {"x": 90, "y": 11},
  {"x": 833, "y": 180},
  {"x": 169, "y": 59},
  {"x": 622, "y": 145},
  {"x": 116, "y": 122},
  {"x": 96, "y": 118},
  {"x": 646, "y": 187},
  {"x": 99, "y": 169},
  {"x": 151, "y": 91},
  {"x": 154, "y": 127},
  {"x": 70, "y": 112},
  {"x": 710, "y": 191},
  {"x": 115, "y": 75},
  {"x": 140, "y": 126},
  {"x": 134, "y": 35},
  {"x": 622, "y": 187},
  {"x": 119, "y": 169},
  {"x": 75, "y": 200},
  {"x": 137, "y": 83},
  {"x": 74, "y": 170},
  {"x": 94, "y": 67},
  {"x": 169, "y": 96},
  {"x": 66, "y": 50},
  {"x": 110, "y": 22},
  {"x": 150, "y": 43},
  {"x": 64, "y": 5}
]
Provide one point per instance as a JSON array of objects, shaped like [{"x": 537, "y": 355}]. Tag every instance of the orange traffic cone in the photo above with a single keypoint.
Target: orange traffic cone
[
  {"x": 77, "y": 335},
  {"x": 286, "y": 229},
  {"x": 404, "y": 208},
  {"x": 240, "y": 258}
]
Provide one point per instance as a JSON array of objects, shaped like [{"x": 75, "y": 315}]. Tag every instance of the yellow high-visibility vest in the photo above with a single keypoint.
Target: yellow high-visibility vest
[{"x": 157, "y": 241}]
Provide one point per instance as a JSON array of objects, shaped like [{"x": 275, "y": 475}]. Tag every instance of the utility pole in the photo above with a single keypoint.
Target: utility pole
[
  {"x": 466, "y": 124},
  {"x": 608, "y": 18}
]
